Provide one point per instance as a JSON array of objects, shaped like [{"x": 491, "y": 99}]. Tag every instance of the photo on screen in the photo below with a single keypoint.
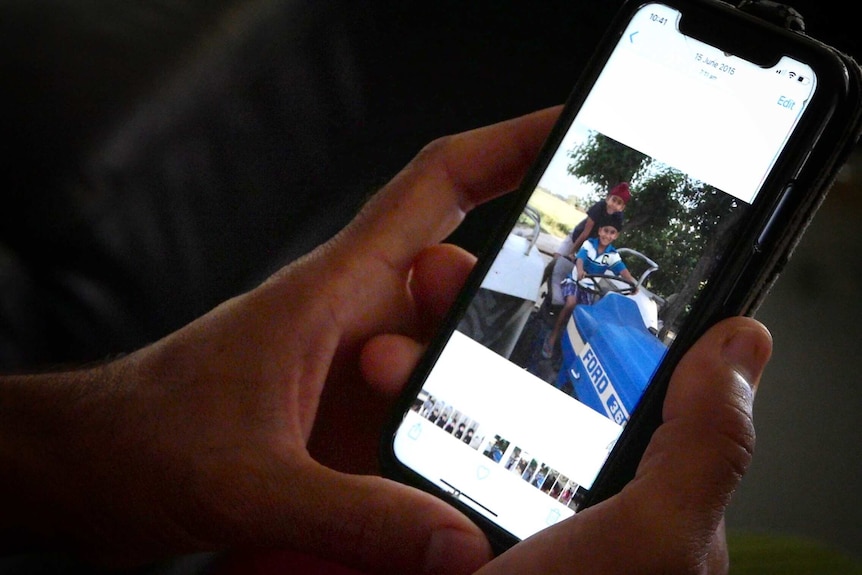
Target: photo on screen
[{"x": 598, "y": 331}]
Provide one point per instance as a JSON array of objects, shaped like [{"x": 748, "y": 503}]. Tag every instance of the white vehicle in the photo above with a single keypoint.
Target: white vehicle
[
  {"x": 515, "y": 290},
  {"x": 508, "y": 294}
]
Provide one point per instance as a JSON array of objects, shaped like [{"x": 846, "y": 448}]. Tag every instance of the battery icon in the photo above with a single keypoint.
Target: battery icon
[{"x": 805, "y": 80}]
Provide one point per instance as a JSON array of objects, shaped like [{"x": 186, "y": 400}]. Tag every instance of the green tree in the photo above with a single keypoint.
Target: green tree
[
  {"x": 710, "y": 219},
  {"x": 681, "y": 223},
  {"x": 605, "y": 162}
]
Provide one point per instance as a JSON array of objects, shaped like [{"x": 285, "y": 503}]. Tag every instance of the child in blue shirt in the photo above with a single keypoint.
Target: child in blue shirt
[
  {"x": 606, "y": 211},
  {"x": 596, "y": 256}
]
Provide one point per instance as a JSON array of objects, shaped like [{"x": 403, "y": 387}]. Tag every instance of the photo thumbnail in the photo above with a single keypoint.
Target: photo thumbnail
[
  {"x": 448, "y": 418},
  {"x": 514, "y": 459}
]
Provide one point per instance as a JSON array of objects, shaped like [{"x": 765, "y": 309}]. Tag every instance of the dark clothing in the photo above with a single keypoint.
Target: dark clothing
[{"x": 598, "y": 212}]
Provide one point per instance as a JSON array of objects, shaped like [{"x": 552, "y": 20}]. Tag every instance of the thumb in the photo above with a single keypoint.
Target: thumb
[
  {"x": 697, "y": 457},
  {"x": 380, "y": 526},
  {"x": 667, "y": 519}
]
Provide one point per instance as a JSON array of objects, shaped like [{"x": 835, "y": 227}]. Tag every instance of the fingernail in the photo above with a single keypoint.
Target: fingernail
[
  {"x": 748, "y": 352},
  {"x": 454, "y": 551}
]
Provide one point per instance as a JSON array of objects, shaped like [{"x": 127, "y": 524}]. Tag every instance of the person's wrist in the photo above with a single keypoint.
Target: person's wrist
[
  {"x": 36, "y": 433},
  {"x": 56, "y": 437}
]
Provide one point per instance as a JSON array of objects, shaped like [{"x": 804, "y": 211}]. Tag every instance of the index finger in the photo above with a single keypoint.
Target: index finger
[{"x": 429, "y": 198}]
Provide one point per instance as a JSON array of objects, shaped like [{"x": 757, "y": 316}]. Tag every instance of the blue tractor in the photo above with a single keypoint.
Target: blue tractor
[{"x": 610, "y": 349}]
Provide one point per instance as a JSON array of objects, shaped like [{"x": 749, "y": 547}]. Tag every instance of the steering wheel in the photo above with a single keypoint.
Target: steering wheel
[{"x": 602, "y": 284}]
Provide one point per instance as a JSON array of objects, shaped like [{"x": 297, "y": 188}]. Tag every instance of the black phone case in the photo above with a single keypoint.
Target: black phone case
[
  {"x": 760, "y": 268},
  {"x": 755, "y": 262}
]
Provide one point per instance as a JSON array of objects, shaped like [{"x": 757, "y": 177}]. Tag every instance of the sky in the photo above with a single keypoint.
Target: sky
[{"x": 556, "y": 179}]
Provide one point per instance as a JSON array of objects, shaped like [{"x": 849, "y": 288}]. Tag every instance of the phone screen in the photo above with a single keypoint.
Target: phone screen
[{"x": 514, "y": 422}]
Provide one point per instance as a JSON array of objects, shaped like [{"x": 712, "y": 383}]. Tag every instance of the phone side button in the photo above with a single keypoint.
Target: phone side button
[{"x": 766, "y": 233}]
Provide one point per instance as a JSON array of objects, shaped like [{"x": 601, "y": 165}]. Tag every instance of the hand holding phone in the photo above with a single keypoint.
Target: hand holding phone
[
  {"x": 728, "y": 132},
  {"x": 668, "y": 520}
]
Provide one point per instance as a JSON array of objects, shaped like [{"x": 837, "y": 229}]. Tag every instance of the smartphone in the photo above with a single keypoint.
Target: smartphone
[{"x": 727, "y": 131}]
